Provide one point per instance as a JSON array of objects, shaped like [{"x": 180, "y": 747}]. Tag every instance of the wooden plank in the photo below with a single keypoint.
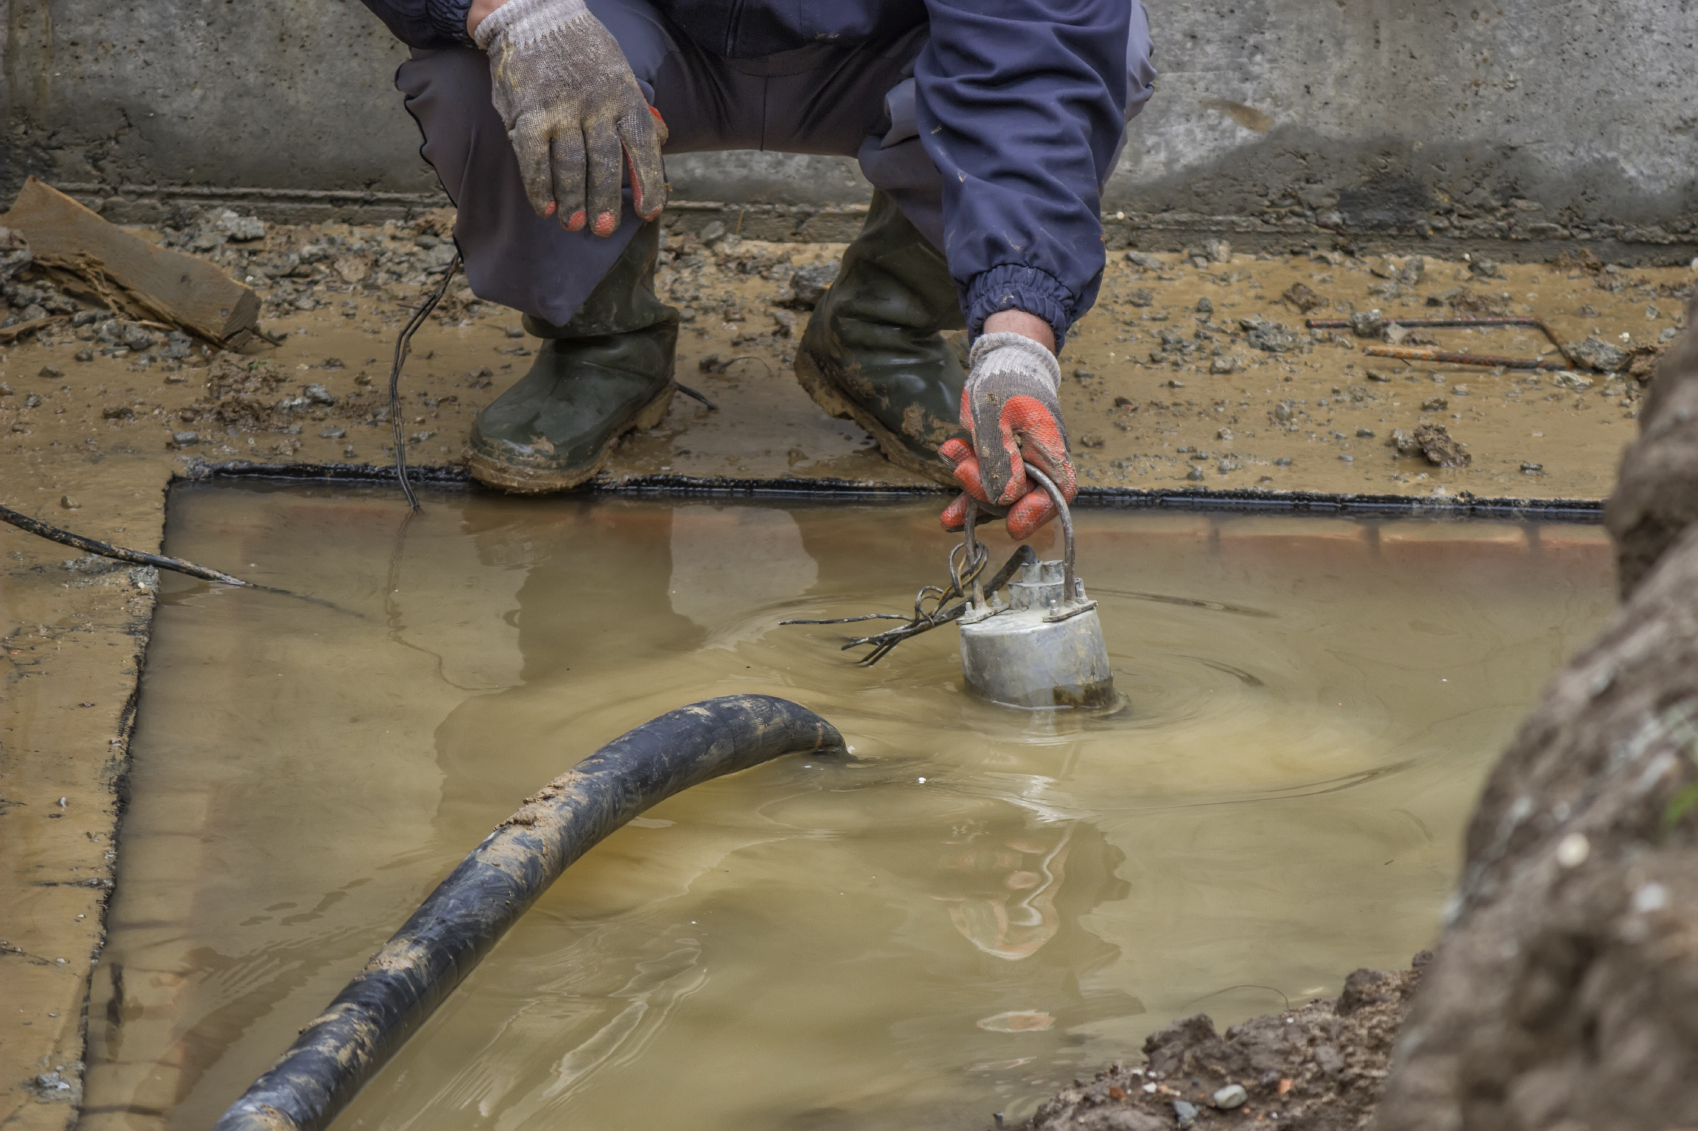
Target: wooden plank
[{"x": 176, "y": 288}]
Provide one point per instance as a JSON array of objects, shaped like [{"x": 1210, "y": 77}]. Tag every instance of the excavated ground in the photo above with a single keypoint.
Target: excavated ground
[
  {"x": 1319, "y": 1067},
  {"x": 1193, "y": 373}
]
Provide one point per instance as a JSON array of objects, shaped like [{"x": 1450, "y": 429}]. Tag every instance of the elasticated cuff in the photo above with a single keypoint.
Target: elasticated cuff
[
  {"x": 1013, "y": 287},
  {"x": 449, "y": 18}
]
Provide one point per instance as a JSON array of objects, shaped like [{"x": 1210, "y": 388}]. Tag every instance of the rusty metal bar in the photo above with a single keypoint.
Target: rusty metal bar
[
  {"x": 1450, "y": 357},
  {"x": 1466, "y": 324}
]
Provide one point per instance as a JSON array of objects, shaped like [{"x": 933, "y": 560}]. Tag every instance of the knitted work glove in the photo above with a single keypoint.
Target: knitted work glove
[
  {"x": 574, "y": 113},
  {"x": 1009, "y": 405}
]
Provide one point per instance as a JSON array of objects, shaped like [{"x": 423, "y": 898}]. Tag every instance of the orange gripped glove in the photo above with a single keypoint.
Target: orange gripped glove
[{"x": 1011, "y": 409}]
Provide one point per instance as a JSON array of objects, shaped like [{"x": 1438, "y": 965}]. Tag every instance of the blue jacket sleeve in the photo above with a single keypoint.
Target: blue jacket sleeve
[
  {"x": 429, "y": 24},
  {"x": 1021, "y": 105}
]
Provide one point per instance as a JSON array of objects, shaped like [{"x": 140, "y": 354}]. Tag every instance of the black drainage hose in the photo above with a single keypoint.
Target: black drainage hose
[{"x": 462, "y": 919}]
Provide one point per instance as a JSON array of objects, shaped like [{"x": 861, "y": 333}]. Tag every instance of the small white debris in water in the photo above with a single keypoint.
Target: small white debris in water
[
  {"x": 1572, "y": 850},
  {"x": 922, "y": 781},
  {"x": 1150, "y": 1088},
  {"x": 61, "y": 803},
  {"x": 1651, "y": 897}
]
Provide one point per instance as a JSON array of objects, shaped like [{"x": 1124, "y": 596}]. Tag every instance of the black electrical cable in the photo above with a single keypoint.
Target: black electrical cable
[
  {"x": 469, "y": 911},
  {"x": 403, "y": 343},
  {"x": 119, "y": 553},
  {"x": 140, "y": 557}
]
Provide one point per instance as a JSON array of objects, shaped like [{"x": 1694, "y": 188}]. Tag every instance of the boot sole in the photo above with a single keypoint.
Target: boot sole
[
  {"x": 519, "y": 480},
  {"x": 895, "y": 449}
]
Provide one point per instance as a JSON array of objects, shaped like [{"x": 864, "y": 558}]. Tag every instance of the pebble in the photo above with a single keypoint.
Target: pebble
[
  {"x": 49, "y": 371},
  {"x": 1141, "y": 297},
  {"x": 515, "y": 331},
  {"x": 68, "y": 503},
  {"x": 1378, "y": 375},
  {"x": 1365, "y": 433},
  {"x": 1528, "y": 467},
  {"x": 1573, "y": 849},
  {"x": 1185, "y": 1113},
  {"x": 1651, "y": 897},
  {"x": 1196, "y": 473},
  {"x": 185, "y": 439},
  {"x": 333, "y": 434},
  {"x": 1231, "y": 1096}
]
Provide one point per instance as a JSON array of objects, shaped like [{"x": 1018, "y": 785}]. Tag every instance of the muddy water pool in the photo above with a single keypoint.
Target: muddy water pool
[{"x": 980, "y": 905}]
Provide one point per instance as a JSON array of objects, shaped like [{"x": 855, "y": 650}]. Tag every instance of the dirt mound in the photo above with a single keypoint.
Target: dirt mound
[
  {"x": 1565, "y": 987},
  {"x": 1320, "y": 1067}
]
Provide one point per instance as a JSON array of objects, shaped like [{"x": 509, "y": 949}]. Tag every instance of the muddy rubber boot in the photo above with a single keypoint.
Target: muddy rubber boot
[
  {"x": 874, "y": 350},
  {"x": 606, "y": 372}
]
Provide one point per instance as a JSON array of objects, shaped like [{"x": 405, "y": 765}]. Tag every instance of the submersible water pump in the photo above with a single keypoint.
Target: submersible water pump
[{"x": 1043, "y": 647}]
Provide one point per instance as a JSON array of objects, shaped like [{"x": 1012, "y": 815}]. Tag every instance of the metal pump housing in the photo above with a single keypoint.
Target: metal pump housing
[{"x": 1044, "y": 646}]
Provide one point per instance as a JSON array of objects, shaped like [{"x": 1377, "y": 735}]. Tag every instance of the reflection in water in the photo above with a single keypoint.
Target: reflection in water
[{"x": 974, "y": 908}]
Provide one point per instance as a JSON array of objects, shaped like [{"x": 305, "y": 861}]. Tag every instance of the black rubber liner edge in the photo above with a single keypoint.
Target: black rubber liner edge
[{"x": 1460, "y": 505}]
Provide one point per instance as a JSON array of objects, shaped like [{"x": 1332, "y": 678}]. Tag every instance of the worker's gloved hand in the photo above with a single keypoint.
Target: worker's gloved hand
[
  {"x": 574, "y": 112},
  {"x": 1010, "y": 407}
]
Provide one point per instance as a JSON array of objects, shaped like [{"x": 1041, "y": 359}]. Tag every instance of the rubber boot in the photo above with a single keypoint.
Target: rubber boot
[
  {"x": 874, "y": 350},
  {"x": 606, "y": 372}
]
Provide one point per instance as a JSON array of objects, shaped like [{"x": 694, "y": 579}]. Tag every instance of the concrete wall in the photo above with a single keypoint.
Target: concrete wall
[{"x": 1433, "y": 122}]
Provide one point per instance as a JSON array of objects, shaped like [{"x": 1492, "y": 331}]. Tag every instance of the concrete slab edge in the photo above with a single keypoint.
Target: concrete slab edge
[{"x": 839, "y": 222}]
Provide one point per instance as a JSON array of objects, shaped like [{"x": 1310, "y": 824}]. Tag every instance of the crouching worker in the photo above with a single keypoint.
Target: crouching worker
[{"x": 986, "y": 127}]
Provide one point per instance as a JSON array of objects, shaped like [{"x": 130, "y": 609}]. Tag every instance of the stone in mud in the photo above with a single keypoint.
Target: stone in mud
[
  {"x": 1271, "y": 337},
  {"x": 1143, "y": 259},
  {"x": 1368, "y": 324},
  {"x": 1598, "y": 354},
  {"x": 1304, "y": 299},
  {"x": 1217, "y": 251},
  {"x": 808, "y": 285},
  {"x": 352, "y": 268},
  {"x": 1440, "y": 447},
  {"x": 15, "y": 254},
  {"x": 1483, "y": 268},
  {"x": 1568, "y": 379},
  {"x": 1141, "y": 297}
]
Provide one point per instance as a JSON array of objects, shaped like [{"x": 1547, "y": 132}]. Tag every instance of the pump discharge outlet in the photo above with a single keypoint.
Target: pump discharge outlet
[{"x": 1043, "y": 647}]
